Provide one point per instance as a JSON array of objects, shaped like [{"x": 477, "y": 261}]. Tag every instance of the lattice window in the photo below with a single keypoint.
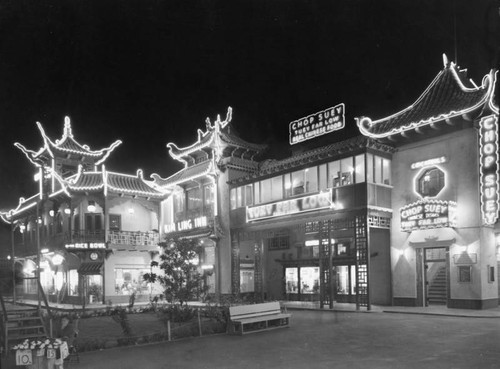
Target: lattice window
[
  {"x": 377, "y": 221},
  {"x": 278, "y": 240}
]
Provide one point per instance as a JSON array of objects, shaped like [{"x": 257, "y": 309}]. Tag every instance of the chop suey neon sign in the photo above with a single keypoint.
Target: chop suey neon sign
[{"x": 488, "y": 143}]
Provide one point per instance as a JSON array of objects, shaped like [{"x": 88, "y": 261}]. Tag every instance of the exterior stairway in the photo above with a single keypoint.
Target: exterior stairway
[
  {"x": 22, "y": 324},
  {"x": 437, "y": 292}
]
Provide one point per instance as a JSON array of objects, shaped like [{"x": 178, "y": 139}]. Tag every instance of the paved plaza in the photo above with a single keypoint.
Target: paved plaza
[{"x": 327, "y": 339}]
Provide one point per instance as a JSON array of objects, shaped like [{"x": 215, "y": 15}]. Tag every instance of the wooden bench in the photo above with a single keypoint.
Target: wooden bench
[{"x": 257, "y": 317}]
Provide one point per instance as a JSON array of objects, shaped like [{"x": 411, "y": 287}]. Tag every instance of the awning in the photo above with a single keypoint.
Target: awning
[
  {"x": 72, "y": 261},
  {"x": 90, "y": 268}
]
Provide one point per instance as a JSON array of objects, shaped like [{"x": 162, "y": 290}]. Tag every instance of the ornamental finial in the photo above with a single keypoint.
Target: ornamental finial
[
  {"x": 445, "y": 60},
  {"x": 67, "y": 127}
]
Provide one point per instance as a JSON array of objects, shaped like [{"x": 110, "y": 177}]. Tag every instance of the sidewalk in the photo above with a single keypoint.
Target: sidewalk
[
  {"x": 306, "y": 305},
  {"x": 428, "y": 310}
]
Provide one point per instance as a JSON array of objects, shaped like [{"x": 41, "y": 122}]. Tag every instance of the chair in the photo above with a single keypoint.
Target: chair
[{"x": 74, "y": 356}]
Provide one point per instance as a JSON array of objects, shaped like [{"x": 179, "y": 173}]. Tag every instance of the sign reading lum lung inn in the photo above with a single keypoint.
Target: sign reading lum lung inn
[
  {"x": 318, "y": 201},
  {"x": 425, "y": 214},
  {"x": 317, "y": 124}
]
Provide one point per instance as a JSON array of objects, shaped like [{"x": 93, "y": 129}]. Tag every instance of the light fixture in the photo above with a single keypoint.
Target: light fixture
[
  {"x": 39, "y": 220},
  {"x": 51, "y": 213},
  {"x": 8, "y": 257},
  {"x": 67, "y": 211},
  {"x": 22, "y": 227},
  {"x": 91, "y": 206},
  {"x": 57, "y": 259}
]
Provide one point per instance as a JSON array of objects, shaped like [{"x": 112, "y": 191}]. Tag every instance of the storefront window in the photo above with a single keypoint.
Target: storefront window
[
  {"x": 298, "y": 182},
  {"x": 343, "y": 280},
  {"x": 309, "y": 280},
  {"x": 179, "y": 202},
  {"x": 266, "y": 190},
  {"x": 359, "y": 172},
  {"x": 292, "y": 280},
  {"x": 246, "y": 280},
  {"x": 194, "y": 198},
  {"x": 323, "y": 177},
  {"x": 208, "y": 195},
  {"x": 256, "y": 192},
  {"x": 311, "y": 175},
  {"x": 334, "y": 174},
  {"x": 232, "y": 198},
  {"x": 386, "y": 171},
  {"x": 248, "y": 195},
  {"x": 277, "y": 188},
  {"x": 73, "y": 282},
  {"x": 130, "y": 280}
]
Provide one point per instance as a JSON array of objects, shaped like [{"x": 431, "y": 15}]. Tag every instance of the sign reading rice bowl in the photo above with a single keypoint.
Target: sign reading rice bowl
[{"x": 317, "y": 124}]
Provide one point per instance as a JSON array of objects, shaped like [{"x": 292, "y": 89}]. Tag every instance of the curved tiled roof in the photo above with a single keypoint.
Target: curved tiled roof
[
  {"x": 220, "y": 130},
  {"x": 66, "y": 145},
  {"x": 449, "y": 95},
  {"x": 112, "y": 182},
  {"x": 185, "y": 175}
]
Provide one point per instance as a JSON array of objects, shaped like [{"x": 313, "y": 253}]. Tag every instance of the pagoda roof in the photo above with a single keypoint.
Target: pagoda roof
[
  {"x": 118, "y": 183},
  {"x": 217, "y": 136},
  {"x": 25, "y": 206},
  {"x": 449, "y": 95},
  {"x": 185, "y": 175},
  {"x": 65, "y": 146}
]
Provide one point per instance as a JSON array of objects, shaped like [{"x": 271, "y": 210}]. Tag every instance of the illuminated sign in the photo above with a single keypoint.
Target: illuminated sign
[
  {"x": 322, "y": 200},
  {"x": 488, "y": 145},
  {"x": 428, "y": 214},
  {"x": 86, "y": 245},
  {"x": 186, "y": 225},
  {"x": 317, "y": 124},
  {"x": 429, "y": 162}
]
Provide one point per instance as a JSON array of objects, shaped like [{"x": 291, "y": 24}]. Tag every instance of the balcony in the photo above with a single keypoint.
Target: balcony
[
  {"x": 134, "y": 238},
  {"x": 85, "y": 236}
]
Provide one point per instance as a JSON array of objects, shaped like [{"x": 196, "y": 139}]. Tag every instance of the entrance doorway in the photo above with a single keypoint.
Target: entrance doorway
[{"x": 433, "y": 272}]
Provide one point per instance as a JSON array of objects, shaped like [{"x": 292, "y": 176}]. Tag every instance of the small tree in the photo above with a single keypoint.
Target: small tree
[{"x": 181, "y": 280}]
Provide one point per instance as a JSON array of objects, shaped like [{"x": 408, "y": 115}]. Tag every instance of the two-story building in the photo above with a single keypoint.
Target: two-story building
[
  {"x": 198, "y": 202},
  {"x": 445, "y": 196},
  {"x": 315, "y": 226},
  {"x": 91, "y": 233}
]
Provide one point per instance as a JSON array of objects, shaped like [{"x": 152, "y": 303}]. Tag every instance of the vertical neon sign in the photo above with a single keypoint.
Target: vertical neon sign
[{"x": 488, "y": 145}]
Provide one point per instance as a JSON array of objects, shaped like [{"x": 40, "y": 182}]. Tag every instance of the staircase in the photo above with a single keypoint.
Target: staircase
[
  {"x": 20, "y": 325},
  {"x": 437, "y": 291}
]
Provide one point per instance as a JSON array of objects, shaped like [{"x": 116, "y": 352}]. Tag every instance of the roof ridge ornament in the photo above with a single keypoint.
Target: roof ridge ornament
[
  {"x": 67, "y": 128},
  {"x": 445, "y": 61}
]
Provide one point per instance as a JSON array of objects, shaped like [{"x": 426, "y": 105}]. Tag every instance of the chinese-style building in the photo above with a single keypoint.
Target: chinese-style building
[
  {"x": 198, "y": 204},
  {"x": 445, "y": 193},
  {"x": 404, "y": 214},
  {"x": 93, "y": 231}
]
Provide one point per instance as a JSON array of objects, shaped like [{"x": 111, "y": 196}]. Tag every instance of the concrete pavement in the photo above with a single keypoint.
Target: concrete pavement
[{"x": 326, "y": 339}]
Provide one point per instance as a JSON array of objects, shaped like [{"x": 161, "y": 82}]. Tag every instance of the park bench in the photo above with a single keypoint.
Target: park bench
[{"x": 257, "y": 317}]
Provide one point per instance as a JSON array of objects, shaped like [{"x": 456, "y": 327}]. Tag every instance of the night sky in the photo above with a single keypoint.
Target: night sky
[{"x": 151, "y": 72}]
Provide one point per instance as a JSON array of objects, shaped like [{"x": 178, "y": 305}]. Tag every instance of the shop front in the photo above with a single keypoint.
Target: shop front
[{"x": 445, "y": 193}]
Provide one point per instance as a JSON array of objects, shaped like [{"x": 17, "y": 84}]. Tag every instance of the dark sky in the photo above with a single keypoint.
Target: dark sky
[{"x": 150, "y": 72}]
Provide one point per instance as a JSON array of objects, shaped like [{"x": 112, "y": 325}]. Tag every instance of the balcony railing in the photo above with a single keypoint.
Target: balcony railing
[
  {"x": 134, "y": 238},
  {"x": 85, "y": 236}
]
